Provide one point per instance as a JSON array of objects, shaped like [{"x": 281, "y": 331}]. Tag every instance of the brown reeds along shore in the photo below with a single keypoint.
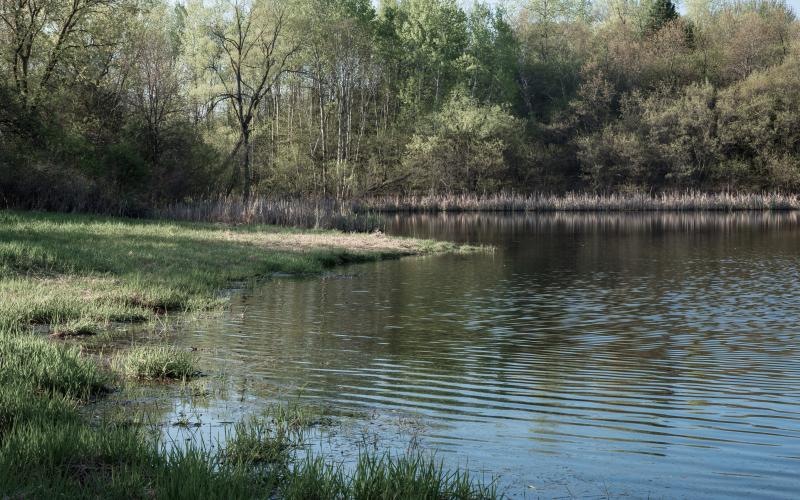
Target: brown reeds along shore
[
  {"x": 291, "y": 212},
  {"x": 579, "y": 202},
  {"x": 362, "y": 215}
]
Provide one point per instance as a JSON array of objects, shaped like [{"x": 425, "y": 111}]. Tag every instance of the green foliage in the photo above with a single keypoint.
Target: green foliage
[
  {"x": 466, "y": 147},
  {"x": 325, "y": 98},
  {"x": 433, "y": 34},
  {"x": 661, "y": 13},
  {"x": 490, "y": 59},
  {"x": 157, "y": 363},
  {"x": 760, "y": 128}
]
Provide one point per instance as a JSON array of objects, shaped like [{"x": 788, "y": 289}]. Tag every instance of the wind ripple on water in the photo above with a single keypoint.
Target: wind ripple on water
[{"x": 657, "y": 358}]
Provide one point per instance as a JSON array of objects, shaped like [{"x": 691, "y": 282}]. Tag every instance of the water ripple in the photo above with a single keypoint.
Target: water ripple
[{"x": 642, "y": 355}]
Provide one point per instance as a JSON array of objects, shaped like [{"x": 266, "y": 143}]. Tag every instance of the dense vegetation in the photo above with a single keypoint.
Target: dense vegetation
[{"x": 125, "y": 104}]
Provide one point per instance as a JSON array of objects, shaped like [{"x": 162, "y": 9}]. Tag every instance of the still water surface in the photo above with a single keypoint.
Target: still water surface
[{"x": 589, "y": 355}]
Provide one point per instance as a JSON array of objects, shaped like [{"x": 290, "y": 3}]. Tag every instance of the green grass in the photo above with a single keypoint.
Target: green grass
[
  {"x": 48, "y": 450},
  {"x": 49, "y": 368},
  {"x": 162, "y": 362},
  {"x": 59, "y": 269},
  {"x": 67, "y": 458},
  {"x": 76, "y": 276},
  {"x": 261, "y": 442},
  {"x": 269, "y": 439},
  {"x": 383, "y": 476},
  {"x": 76, "y": 328},
  {"x": 59, "y": 456}
]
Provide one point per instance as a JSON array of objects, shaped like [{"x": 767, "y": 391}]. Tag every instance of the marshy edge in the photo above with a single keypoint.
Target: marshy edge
[{"x": 77, "y": 274}]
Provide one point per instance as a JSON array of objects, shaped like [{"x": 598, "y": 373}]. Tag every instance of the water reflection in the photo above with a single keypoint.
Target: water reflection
[{"x": 591, "y": 354}]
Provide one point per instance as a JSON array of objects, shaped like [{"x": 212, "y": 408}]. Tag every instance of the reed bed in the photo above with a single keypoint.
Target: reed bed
[
  {"x": 580, "y": 202},
  {"x": 364, "y": 215},
  {"x": 300, "y": 213}
]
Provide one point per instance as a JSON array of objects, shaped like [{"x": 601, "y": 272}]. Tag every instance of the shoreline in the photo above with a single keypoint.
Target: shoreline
[
  {"x": 76, "y": 275},
  {"x": 365, "y": 214},
  {"x": 582, "y": 202},
  {"x": 95, "y": 269}
]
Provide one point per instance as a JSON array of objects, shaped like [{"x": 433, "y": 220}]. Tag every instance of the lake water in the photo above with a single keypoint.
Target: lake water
[{"x": 589, "y": 355}]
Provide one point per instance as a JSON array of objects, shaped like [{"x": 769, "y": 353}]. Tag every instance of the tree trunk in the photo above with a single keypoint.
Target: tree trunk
[{"x": 246, "y": 176}]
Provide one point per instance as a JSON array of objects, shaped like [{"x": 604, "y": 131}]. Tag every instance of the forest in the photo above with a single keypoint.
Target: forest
[{"x": 118, "y": 105}]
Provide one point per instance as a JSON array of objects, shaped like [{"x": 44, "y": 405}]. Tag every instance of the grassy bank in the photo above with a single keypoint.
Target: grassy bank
[{"x": 78, "y": 275}]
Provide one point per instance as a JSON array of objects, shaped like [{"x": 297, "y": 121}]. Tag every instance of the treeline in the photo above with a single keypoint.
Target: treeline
[{"x": 124, "y": 104}]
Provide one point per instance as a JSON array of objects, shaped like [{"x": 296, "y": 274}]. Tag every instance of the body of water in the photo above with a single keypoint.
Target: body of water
[{"x": 588, "y": 355}]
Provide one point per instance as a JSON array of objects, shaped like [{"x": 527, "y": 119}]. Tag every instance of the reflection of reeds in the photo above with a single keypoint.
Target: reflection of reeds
[
  {"x": 540, "y": 202},
  {"x": 305, "y": 213}
]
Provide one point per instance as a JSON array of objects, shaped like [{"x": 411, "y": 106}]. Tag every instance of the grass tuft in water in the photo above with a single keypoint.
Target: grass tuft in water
[
  {"x": 297, "y": 415},
  {"x": 81, "y": 327},
  {"x": 255, "y": 441},
  {"x": 156, "y": 363}
]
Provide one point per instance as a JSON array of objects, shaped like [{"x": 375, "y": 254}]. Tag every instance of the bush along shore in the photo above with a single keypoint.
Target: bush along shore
[{"x": 76, "y": 276}]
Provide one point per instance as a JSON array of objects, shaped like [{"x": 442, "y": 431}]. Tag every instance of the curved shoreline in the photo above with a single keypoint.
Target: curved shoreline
[{"x": 76, "y": 275}]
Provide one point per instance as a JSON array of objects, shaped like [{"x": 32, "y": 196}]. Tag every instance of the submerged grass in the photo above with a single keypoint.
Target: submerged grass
[
  {"x": 49, "y": 450},
  {"x": 56, "y": 454}
]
